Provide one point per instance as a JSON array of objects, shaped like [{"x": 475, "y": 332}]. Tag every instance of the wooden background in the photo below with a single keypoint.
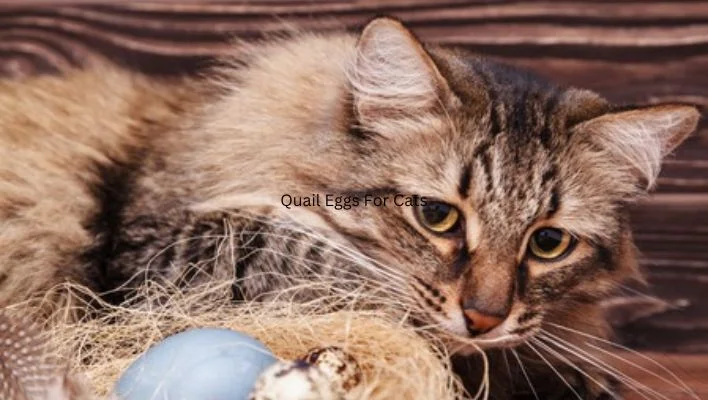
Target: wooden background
[{"x": 630, "y": 51}]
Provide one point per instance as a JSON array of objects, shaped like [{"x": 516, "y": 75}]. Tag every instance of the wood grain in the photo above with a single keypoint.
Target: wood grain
[{"x": 630, "y": 51}]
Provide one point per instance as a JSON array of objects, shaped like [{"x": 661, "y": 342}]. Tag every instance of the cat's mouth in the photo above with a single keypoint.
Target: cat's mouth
[
  {"x": 490, "y": 340},
  {"x": 514, "y": 331},
  {"x": 506, "y": 335}
]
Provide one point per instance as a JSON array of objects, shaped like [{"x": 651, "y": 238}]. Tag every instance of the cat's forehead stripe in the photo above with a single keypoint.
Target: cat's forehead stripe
[
  {"x": 553, "y": 203},
  {"x": 465, "y": 180}
]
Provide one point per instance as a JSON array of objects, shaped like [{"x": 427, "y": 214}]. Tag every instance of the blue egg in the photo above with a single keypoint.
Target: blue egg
[{"x": 209, "y": 363}]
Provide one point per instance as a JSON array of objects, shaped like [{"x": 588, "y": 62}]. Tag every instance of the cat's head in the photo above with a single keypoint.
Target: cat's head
[{"x": 525, "y": 185}]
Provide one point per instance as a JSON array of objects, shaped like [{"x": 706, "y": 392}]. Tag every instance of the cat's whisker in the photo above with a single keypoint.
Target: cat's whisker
[
  {"x": 677, "y": 380},
  {"x": 245, "y": 244},
  {"x": 475, "y": 342},
  {"x": 355, "y": 255},
  {"x": 440, "y": 331},
  {"x": 143, "y": 274},
  {"x": 598, "y": 363},
  {"x": 177, "y": 243},
  {"x": 686, "y": 390},
  {"x": 356, "y": 278},
  {"x": 526, "y": 375},
  {"x": 484, "y": 388},
  {"x": 329, "y": 251},
  {"x": 637, "y": 292},
  {"x": 301, "y": 284},
  {"x": 632, "y": 384},
  {"x": 508, "y": 367},
  {"x": 306, "y": 282},
  {"x": 571, "y": 364},
  {"x": 352, "y": 253},
  {"x": 162, "y": 251},
  {"x": 285, "y": 295},
  {"x": 505, "y": 355},
  {"x": 550, "y": 365}
]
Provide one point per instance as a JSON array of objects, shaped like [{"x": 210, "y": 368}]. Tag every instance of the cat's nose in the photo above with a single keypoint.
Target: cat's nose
[{"x": 479, "y": 323}]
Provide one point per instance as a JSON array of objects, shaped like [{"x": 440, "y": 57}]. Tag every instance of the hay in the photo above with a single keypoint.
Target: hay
[{"x": 398, "y": 361}]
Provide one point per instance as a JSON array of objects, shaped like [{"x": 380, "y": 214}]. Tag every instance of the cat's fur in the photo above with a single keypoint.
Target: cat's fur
[{"x": 109, "y": 177}]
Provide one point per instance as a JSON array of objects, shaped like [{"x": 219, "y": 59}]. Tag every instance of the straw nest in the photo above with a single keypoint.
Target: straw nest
[{"x": 398, "y": 361}]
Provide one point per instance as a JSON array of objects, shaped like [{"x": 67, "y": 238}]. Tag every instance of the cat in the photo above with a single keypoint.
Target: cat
[{"x": 517, "y": 190}]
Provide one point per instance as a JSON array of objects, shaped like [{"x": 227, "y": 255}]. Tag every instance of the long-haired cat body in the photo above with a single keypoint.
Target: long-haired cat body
[{"x": 110, "y": 178}]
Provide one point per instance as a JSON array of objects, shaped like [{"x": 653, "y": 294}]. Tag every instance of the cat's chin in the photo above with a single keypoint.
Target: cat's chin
[
  {"x": 499, "y": 338},
  {"x": 509, "y": 334},
  {"x": 469, "y": 346}
]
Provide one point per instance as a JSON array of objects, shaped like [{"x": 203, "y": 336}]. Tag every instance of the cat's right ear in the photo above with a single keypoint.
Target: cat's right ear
[
  {"x": 638, "y": 139},
  {"x": 393, "y": 76}
]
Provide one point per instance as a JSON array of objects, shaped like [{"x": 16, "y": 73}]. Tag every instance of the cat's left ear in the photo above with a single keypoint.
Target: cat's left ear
[
  {"x": 638, "y": 139},
  {"x": 393, "y": 76}
]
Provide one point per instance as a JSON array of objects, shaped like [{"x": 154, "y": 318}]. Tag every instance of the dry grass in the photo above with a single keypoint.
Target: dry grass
[{"x": 398, "y": 361}]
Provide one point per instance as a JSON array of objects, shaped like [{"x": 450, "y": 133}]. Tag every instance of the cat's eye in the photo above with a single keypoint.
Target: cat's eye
[
  {"x": 550, "y": 243},
  {"x": 438, "y": 217}
]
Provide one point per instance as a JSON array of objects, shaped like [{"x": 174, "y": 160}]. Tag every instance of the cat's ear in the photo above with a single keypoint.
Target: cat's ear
[
  {"x": 393, "y": 76},
  {"x": 638, "y": 139}
]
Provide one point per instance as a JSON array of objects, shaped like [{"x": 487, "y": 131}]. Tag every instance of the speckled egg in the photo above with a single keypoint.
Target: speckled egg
[
  {"x": 214, "y": 364},
  {"x": 340, "y": 366},
  {"x": 295, "y": 380}
]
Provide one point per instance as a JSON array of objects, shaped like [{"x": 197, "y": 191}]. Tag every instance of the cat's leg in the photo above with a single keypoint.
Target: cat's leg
[
  {"x": 263, "y": 256},
  {"x": 173, "y": 248},
  {"x": 40, "y": 245}
]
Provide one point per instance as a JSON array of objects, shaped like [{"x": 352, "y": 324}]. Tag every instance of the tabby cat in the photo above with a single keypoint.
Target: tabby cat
[{"x": 506, "y": 214}]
